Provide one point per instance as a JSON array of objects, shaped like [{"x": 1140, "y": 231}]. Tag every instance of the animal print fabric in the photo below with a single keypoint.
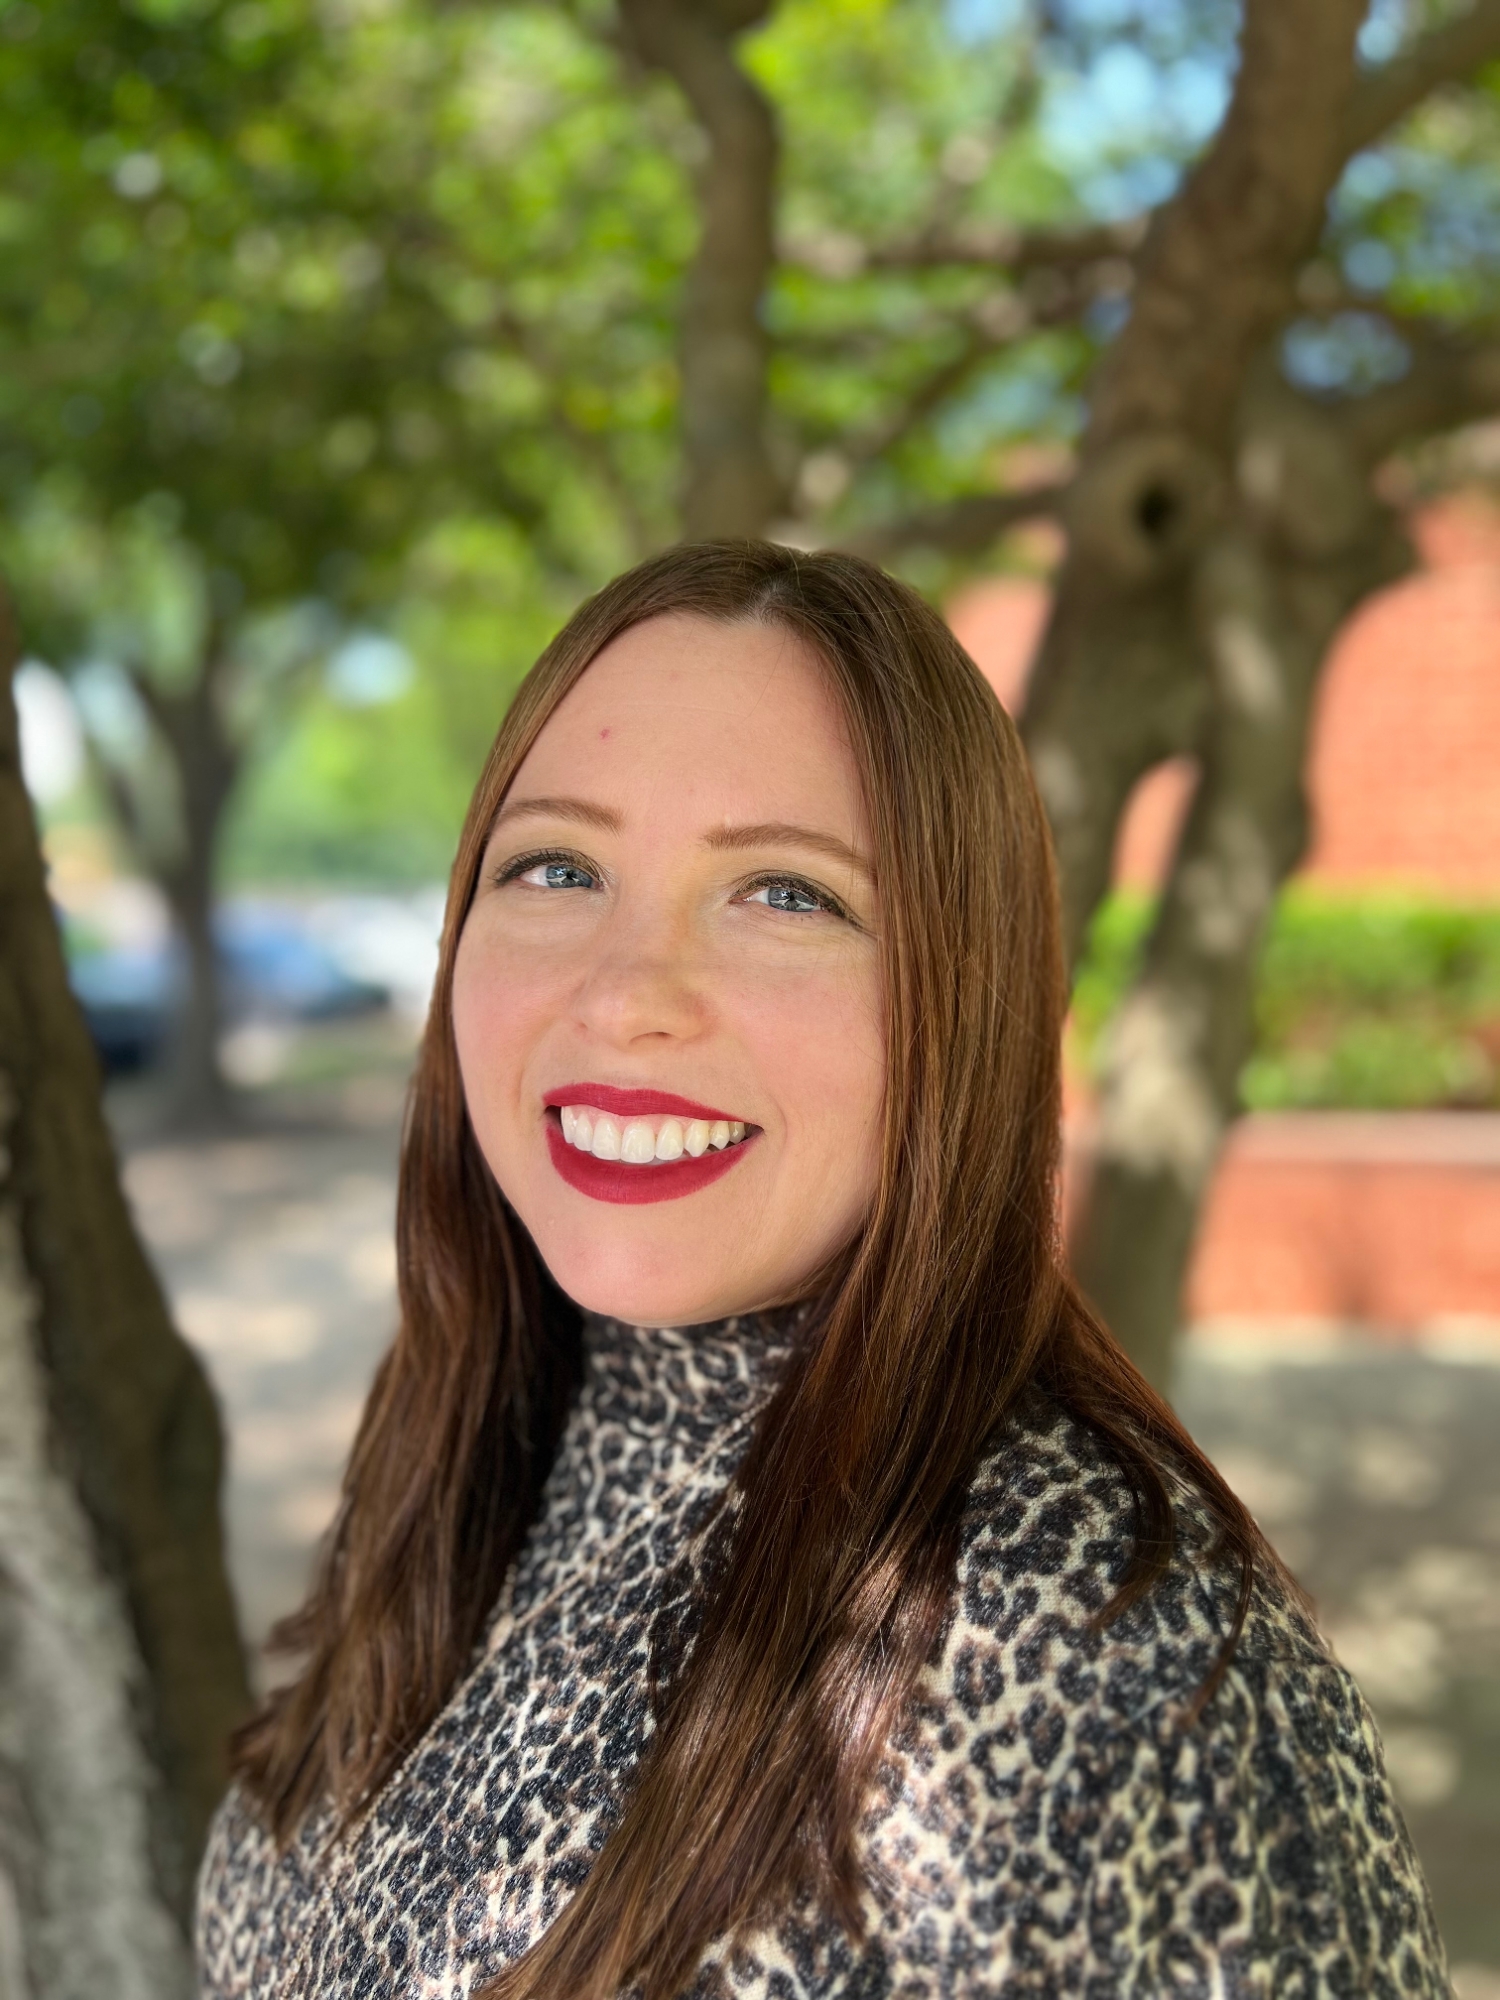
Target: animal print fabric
[{"x": 1048, "y": 1822}]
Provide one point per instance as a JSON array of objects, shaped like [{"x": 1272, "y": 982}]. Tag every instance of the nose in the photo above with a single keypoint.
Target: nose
[{"x": 643, "y": 982}]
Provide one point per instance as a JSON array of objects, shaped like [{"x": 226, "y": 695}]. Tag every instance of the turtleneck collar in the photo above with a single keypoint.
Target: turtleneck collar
[
  {"x": 654, "y": 1379},
  {"x": 658, "y": 1409}
]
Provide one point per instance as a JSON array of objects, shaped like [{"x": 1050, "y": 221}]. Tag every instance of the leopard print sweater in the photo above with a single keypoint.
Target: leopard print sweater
[{"x": 1047, "y": 1822}]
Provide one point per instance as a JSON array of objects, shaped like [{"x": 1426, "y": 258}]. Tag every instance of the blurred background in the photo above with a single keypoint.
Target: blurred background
[{"x": 345, "y": 345}]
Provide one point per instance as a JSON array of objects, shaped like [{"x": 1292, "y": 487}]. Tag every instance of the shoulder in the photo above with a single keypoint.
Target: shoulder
[
  {"x": 1057, "y": 1798},
  {"x": 1047, "y": 1534}
]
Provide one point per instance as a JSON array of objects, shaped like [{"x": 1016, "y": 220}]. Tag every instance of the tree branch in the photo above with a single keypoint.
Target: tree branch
[
  {"x": 1447, "y": 384},
  {"x": 731, "y": 486},
  {"x": 1215, "y": 276},
  {"x": 1449, "y": 54},
  {"x": 1002, "y": 316},
  {"x": 1000, "y": 246},
  {"x": 994, "y": 245},
  {"x": 961, "y": 528},
  {"x": 996, "y": 323},
  {"x": 928, "y": 396}
]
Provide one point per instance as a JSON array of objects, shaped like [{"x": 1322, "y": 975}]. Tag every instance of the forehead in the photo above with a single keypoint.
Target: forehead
[{"x": 720, "y": 721}]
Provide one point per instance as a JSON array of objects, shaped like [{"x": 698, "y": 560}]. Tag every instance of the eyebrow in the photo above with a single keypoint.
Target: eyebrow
[
  {"x": 724, "y": 839},
  {"x": 578, "y": 810},
  {"x": 786, "y": 833}
]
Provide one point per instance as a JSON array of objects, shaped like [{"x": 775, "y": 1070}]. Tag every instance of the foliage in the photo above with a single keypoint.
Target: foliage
[
  {"x": 296, "y": 302},
  {"x": 295, "y": 295},
  {"x": 891, "y": 128},
  {"x": 373, "y": 791},
  {"x": 270, "y": 279},
  {"x": 1364, "y": 1002},
  {"x": 257, "y": 260}
]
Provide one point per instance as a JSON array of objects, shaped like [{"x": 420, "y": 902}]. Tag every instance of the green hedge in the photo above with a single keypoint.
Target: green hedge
[{"x": 1364, "y": 1002}]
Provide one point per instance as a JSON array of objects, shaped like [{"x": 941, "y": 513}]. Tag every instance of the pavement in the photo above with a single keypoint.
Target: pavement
[{"x": 1371, "y": 1463}]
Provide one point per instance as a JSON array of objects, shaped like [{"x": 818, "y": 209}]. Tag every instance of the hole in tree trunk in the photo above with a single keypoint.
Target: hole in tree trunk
[{"x": 1157, "y": 511}]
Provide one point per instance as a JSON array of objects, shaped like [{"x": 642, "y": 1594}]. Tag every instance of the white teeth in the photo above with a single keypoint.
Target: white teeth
[
  {"x": 637, "y": 1142},
  {"x": 606, "y": 1144},
  {"x": 640, "y": 1141}
]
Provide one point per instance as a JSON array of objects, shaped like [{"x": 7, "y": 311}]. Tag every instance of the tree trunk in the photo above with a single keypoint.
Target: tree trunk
[
  {"x": 730, "y": 486},
  {"x": 1307, "y": 542},
  {"x": 200, "y": 1098},
  {"x": 120, "y": 1665},
  {"x": 1120, "y": 680},
  {"x": 1173, "y": 631},
  {"x": 206, "y": 764},
  {"x": 1221, "y": 527}
]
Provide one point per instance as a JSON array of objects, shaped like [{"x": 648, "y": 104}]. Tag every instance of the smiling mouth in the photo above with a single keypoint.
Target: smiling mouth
[
  {"x": 640, "y": 1145},
  {"x": 643, "y": 1142}
]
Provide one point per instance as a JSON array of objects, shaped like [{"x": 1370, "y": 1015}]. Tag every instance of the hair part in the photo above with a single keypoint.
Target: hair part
[{"x": 951, "y": 1307}]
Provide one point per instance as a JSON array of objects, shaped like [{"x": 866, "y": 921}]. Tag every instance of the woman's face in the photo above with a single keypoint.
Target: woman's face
[{"x": 673, "y": 944}]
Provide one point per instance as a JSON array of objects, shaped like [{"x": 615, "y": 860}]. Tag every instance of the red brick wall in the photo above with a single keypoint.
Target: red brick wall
[
  {"x": 1405, "y": 767},
  {"x": 1387, "y": 1220}
]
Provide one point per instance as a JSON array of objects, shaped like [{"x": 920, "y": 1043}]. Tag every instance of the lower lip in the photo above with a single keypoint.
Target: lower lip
[{"x": 614, "y": 1180}]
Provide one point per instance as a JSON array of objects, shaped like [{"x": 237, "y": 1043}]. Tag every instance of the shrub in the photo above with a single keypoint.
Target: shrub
[{"x": 1364, "y": 1001}]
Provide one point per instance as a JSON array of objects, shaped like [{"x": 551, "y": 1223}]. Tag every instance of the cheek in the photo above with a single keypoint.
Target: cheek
[
  {"x": 498, "y": 1007},
  {"x": 820, "y": 1045}
]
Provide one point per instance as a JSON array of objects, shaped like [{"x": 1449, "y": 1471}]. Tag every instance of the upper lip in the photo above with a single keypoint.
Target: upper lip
[{"x": 634, "y": 1103}]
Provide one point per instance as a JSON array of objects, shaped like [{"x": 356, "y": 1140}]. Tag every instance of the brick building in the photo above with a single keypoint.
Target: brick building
[{"x": 1385, "y": 1220}]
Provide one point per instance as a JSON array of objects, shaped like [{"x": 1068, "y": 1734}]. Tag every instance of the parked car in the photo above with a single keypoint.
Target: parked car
[
  {"x": 127, "y": 994},
  {"x": 271, "y": 967}
]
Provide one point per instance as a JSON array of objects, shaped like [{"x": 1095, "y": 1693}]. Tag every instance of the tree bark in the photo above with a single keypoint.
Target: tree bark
[
  {"x": 730, "y": 485},
  {"x": 120, "y": 1665},
  {"x": 959, "y": 528}
]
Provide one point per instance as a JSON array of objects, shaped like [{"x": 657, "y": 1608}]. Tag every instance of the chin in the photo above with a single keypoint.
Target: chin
[{"x": 643, "y": 1291}]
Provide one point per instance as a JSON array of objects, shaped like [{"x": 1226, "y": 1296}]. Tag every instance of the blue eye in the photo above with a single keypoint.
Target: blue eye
[
  {"x": 797, "y": 898},
  {"x": 550, "y": 871},
  {"x": 563, "y": 875}
]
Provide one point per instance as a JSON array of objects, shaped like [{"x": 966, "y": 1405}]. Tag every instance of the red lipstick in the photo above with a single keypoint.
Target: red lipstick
[{"x": 617, "y": 1180}]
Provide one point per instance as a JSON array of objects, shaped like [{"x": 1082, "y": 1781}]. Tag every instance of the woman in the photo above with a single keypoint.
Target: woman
[{"x": 757, "y": 1573}]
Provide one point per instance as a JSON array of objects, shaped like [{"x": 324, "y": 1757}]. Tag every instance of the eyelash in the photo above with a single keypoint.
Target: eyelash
[{"x": 522, "y": 863}]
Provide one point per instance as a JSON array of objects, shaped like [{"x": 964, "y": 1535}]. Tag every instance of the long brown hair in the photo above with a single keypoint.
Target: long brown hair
[{"x": 952, "y": 1305}]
